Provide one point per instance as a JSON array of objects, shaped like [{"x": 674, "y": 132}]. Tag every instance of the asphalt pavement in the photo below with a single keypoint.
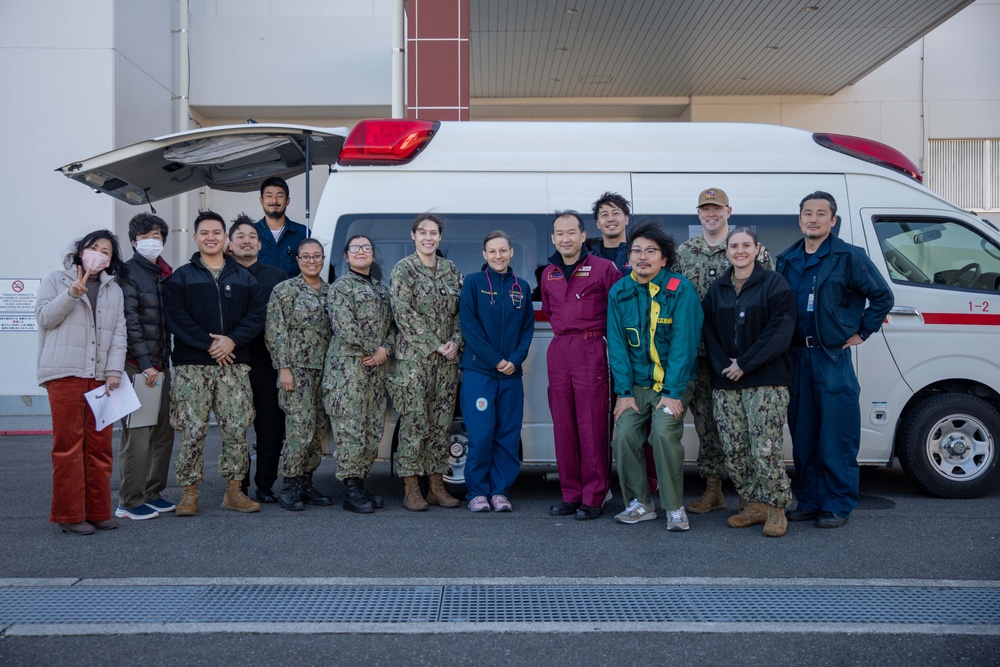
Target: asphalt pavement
[{"x": 897, "y": 533}]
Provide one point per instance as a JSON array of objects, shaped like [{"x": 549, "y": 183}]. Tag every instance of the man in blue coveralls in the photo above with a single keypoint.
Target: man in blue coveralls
[{"x": 831, "y": 280}]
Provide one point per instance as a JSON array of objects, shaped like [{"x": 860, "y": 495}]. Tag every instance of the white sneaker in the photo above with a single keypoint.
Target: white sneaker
[
  {"x": 678, "y": 520},
  {"x": 636, "y": 512}
]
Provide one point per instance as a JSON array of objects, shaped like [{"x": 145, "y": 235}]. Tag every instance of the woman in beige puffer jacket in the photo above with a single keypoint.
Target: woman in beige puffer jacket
[{"x": 81, "y": 346}]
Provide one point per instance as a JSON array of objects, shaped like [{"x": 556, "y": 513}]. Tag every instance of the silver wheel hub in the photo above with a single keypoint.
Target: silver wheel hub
[{"x": 960, "y": 447}]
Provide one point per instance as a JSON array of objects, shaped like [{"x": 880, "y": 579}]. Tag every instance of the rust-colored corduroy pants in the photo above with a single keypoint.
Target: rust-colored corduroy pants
[{"x": 82, "y": 457}]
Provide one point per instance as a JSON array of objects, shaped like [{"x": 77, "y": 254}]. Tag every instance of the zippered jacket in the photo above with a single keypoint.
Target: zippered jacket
[
  {"x": 578, "y": 303},
  {"x": 73, "y": 340},
  {"x": 142, "y": 287},
  {"x": 845, "y": 281},
  {"x": 498, "y": 321},
  {"x": 754, "y": 327},
  {"x": 653, "y": 334},
  {"x": 196, "y": 306}
]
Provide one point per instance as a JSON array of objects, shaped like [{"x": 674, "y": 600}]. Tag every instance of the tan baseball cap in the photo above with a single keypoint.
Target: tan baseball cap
[{"x": 713, "y": 196}]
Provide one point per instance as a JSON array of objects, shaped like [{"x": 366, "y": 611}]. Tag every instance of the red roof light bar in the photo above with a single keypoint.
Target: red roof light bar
[
  {"x": 386, "y": 141},
  {"x": 870, "y": 151}
]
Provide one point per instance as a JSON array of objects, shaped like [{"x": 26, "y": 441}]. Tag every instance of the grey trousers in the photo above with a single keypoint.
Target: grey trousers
[{"x": 144, "y": 453}]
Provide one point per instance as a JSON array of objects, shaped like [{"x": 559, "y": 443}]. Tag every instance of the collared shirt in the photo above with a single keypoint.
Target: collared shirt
[{"x": 804, "y": 269}]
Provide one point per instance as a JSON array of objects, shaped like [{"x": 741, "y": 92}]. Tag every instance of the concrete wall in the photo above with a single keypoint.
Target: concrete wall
[{"x": 90, "y": 75}]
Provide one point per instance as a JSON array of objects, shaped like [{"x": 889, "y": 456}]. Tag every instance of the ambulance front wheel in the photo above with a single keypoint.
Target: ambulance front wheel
[{"x": 949, "y": 445}]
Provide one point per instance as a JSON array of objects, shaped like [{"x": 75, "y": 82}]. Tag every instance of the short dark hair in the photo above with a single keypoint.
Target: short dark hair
[
  {"x": 116, "y": 265},
  {"x": 208, "y": 215},
  {"x": 615, "y": 199},
  {"x": 144, "y": 223},
  {"x": 743, "y": 230},
  {"x": 819, "y": 194},
  {"x": 496, "y": 234},
  {"x": 354, "y": 238},
  {"x": 274, "y": 181},
  {"x": 653, "y": 230},
  {"x": 239, "y": 221},
  {"x": 308, "y": 241},
  {"x": 436, "y": 219},
  {"x": 569, "y": 211}
]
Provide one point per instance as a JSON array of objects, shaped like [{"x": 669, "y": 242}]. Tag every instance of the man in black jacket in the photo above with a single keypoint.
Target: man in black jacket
[
  {"x": 269, "y": 424},
  {"x": 144, "y": 452},
  {"x": 214, "y": 309}
]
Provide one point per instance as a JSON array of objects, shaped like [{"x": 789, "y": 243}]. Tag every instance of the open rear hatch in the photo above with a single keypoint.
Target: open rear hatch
[{"x": 234, "y": 158}]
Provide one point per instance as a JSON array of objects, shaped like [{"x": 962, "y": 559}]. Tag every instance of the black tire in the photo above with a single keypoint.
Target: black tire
[{"x": 948, "y": 446}]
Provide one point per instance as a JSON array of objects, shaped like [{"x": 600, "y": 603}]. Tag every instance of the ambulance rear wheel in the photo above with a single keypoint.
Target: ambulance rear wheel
[{"x": 949, "y": 446}]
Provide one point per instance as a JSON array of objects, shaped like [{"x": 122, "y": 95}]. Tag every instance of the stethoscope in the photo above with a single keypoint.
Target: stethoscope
[{"x": 516, "y": 293}]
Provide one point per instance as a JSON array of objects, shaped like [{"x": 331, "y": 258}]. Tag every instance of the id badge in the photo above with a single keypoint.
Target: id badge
[{"x": 811, "y": 302}]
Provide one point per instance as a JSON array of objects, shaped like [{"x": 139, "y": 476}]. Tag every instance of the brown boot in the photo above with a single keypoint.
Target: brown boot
[
  {"x": 235, "y": 499},
  {"x": 712, "y": 499},
  {"x": 412, "y": 498},
  {"x": 437, "y": 495},
  {"x": 752, "y": 514},
  {"x": 776, "y": 525},
  {"x": 188, "y": 506}
]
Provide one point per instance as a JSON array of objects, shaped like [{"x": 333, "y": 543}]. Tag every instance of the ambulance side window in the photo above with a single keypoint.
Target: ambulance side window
[{"x": 938, "y": 252}]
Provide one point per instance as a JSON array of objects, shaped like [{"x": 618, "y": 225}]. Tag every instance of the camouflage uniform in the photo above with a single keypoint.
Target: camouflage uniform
[
  {"x": 297, "y": 334},
  {"x": 424, "y": 384},
  {"x": 751, "y": 427},
  {"x": 354, "y": 394},
  {"x": 195, "y": 393},
  {"x": 702, "y": 266}
]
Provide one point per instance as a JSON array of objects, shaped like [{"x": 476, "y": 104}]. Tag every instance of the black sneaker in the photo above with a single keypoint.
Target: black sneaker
[
  {"x": 587, "y": 513},
  {"x": 564, "y": 509}
]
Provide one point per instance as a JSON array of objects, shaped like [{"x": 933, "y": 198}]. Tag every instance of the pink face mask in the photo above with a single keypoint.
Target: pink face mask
[{"x": 93, "y": 261}]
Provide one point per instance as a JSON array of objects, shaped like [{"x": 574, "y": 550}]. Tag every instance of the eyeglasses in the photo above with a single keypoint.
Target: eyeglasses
[
  {"x": 311, "y": 259},
  {"x": 652, "y": 251},
  {"x": 359, "y": 248}
]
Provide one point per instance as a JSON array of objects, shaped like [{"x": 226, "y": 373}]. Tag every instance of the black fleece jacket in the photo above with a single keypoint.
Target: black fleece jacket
[
  {"x": 195, "y": 305},
  {"x": 755, "y": 327}
]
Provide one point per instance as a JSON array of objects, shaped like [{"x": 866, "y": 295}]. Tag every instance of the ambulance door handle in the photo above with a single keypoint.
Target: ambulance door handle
[{"x": 905, "y": 314}]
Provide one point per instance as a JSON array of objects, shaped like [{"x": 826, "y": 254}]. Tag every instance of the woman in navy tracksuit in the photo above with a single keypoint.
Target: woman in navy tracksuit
[{"x": 498, "y": 321}]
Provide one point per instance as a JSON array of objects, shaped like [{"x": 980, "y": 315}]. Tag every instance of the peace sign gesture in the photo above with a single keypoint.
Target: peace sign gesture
[{"x": 79, "y": 288}]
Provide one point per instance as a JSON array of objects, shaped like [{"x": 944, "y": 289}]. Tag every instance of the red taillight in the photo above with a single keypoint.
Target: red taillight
[
  {"x": 870, "y": 151},
  {"x": 390, "y": 141}
]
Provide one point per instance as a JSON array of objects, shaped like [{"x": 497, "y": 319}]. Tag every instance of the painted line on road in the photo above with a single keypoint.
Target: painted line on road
[
  {"x": 496, "y": 581},
  {"x": 36, "y": 630}
]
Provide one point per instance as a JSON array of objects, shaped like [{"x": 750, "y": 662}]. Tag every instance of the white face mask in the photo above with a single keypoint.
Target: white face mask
[{"x": 149, "y": 248}]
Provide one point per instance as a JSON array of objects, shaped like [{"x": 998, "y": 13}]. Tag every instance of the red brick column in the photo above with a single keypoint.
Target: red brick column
[{"x": 437, "y": 59}]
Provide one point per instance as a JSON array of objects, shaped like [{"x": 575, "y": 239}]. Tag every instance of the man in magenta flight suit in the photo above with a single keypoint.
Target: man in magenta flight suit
[{"x": 574, "y": 289}]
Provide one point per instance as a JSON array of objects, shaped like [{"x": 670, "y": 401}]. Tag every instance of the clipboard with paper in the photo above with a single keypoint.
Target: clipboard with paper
[
  {"x": 110, "y": 406},
  {"x": 149, "y": 398}
]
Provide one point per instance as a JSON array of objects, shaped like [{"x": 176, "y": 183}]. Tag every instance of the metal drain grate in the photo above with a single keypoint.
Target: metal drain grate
[
  {"x": 719, "y": 604},
  {"x": 317, "y": 604},
  {"x": 147, "y": 604},
  {"x": 497, "y": 603}
]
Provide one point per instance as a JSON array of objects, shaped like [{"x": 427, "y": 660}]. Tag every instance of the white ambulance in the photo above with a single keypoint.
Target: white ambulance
[{"x": 930, "y": 379}]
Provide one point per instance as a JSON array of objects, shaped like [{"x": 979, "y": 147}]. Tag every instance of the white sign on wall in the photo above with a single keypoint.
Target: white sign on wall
[{"x": 17, "y": 304}]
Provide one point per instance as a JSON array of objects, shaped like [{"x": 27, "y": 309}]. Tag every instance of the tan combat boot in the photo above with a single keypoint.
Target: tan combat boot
[
  {"x": 188, "y": 506},
  {"x": 776, "y": 525},
  {"x": 752, "y": 514},
  {"x": 712, "y": 499},
  {"x": 235, "y": 499},
  {"x": 437, "y": 495},
  {"x": 412, "y": 499}
]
